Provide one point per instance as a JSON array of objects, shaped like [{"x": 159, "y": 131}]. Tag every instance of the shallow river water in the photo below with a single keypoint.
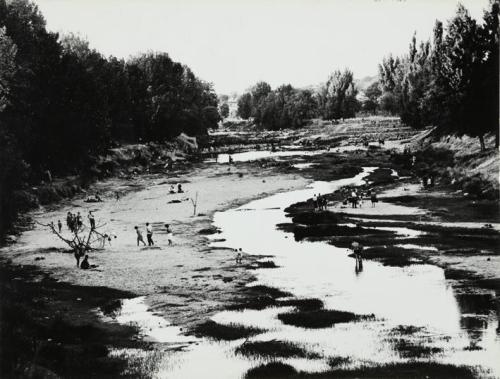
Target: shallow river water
[{"x": 418, "y": 296}]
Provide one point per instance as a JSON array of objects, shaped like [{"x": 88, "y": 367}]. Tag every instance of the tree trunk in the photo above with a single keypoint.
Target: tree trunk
[
  {"x": 497, "y": 138},
  {"x": 481, "y": 141}
]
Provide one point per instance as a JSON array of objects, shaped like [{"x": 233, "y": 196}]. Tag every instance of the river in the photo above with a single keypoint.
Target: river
[{"x": 416, "y": 296}]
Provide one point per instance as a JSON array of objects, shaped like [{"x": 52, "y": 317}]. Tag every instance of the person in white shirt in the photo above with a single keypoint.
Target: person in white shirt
[{"x": 149, "y": 234}]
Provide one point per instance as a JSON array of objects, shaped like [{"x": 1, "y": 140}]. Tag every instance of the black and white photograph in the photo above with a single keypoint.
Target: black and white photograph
[{"x": 246, "y": 189}]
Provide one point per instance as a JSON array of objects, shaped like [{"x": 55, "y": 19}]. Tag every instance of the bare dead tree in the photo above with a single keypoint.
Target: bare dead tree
[
  {"x": 83, "y": 238},
  {"x": 195, "y": 203}
]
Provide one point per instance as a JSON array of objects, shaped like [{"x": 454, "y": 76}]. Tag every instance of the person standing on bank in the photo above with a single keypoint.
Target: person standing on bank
[
  {"x": 91, "y": 220},
  {"x": 139, "y": 237},
  {"x": 149, "y": 234},
  {"x": 169, "y": 234}
]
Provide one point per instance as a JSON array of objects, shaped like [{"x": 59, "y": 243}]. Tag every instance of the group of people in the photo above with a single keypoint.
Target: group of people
[
  {"x": 74, "y": 221},
  {"x": 149, "y": 234},
  {"x": 179, "y": 189},
  {"x": 355, "y": 197},
  {"x": 320, "y": 202}
]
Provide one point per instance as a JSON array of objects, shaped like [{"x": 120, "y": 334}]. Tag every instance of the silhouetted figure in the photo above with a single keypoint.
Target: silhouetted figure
[
  {"x": 85, "y": 263},
  {"x": 149, "y": 234}
]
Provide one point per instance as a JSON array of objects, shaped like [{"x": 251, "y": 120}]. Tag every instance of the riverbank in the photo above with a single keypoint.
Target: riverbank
[
  {"x": 192, "y": 281},
  {"x": 189, "y": 279}
]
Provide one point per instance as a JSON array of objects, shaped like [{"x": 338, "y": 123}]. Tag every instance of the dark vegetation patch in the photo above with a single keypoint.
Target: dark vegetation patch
[
  {"x": 414, "y": 370},
  {"x": 406, "y": 330},
  {"x": 338, "y": 361},
  {"x": 302, "y": 304},
  {"x": 321, "y": 318},
  {"x": 480, "y": 303},
  {"x": 208, "y": 231},
  {"x": 315, "y": 218},
  {"x": 394, "y": 256},
  {"x": 380, "y": 176},
  {"x": 411, "y": 350},
  {"x": 260, "y": 297},
  {"x": 275, "y": 370},
  {"x": 326, "y": 230},
  {"x": 432, "y": 228},
  {"x": 211, "y": 329},
  {"x": 42, "y": 321},
  {"x": 453, "y": 208},
  {"x": 274, "y": 348}
]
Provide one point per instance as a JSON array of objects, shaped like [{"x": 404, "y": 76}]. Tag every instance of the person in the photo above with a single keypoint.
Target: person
[
  {"x": 97, "y": 197},
  {"x": 91, "y": 220},
  {"x": 179, "y": 188},
  {"x": 69, "y": 221},
  {"x": 85, "y": 263},
  {"x": 169, "y": 234},
  {"x": 59, "y": 225},
  {"x": 79, "y": 221},
  {"x": 139, "y": 236},
  {"x": 230, "y": 159},
  {"x": 315, "y": 201},
  {"x": 239, "y": 256},
  {"x": 357, "y": 248},
  {"x": 149, "y": 234},
  {"x": 117, "y": 195},
  {"x": 172, "y": 189},
  {"x": 354, "y": 198},
  {"x": 374, "y": 199}
]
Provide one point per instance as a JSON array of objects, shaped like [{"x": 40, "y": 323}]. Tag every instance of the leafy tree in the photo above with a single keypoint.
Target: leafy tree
[
  {"x": 338, "y": 96},
  {"x": 245, "y": 104},
  {"x": 373, "y": 94},
  {"x": 224, "y": 110}
]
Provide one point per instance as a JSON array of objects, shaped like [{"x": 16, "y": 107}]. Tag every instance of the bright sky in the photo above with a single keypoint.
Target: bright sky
[{"x": 235, "y": 43}]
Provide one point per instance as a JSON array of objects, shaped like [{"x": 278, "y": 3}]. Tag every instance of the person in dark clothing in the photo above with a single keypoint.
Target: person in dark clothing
[
  {"x": 59, "y": 225},
  {"x": 85, "y": 263},
  {"x": 179, "y": 188}
]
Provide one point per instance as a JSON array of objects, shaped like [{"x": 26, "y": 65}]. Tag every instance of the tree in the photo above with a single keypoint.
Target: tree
[
  {"x": 8, "y": 51},
  {"x": 224, "y": 110},
  {"x": 373, "y": 94},
  {"x": 338, "y": 96},
  {"x": 245, "y": 104}
]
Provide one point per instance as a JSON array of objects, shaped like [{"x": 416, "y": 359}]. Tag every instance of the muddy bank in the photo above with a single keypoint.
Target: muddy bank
[{"x": 52, "y": 329}]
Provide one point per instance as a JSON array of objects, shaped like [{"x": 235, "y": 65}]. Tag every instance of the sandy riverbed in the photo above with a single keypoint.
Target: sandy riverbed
[{"x": 169, "y": 272}]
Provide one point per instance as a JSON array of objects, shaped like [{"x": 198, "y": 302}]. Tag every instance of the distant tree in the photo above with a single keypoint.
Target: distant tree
[
  {"x": 338, "y": 96},
  {"x": 245, "y": 105},
  {"x": 224, "y": 110},
  {"x": 373, "y": 94}
]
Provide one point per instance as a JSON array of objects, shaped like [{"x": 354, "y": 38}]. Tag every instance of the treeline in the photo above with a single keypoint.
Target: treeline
[
  {"x": 62, "y": 103},
  {"x": 450, "y": 82},
  {"x": 288, "y": 107}
]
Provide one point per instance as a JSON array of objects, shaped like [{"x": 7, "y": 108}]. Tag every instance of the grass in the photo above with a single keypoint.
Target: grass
[
  {"x": 320, "y": 318},
  {"x": 230, "y": 332},
  {"x": 327, "y": 230},
  {"x": 302, "y": 304},
  {"x": 411, "y": 350},
  {"x": 275, "y": 370},
  {"x": 260, "y": 297},
  {"x": 315, "y": 218},
  {"x": 413, "y": 370},
  {"x": 273, "y": 349}
]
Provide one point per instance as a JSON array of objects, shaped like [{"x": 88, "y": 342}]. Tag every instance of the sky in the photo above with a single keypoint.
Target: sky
[{"x": 236, "y": 43}]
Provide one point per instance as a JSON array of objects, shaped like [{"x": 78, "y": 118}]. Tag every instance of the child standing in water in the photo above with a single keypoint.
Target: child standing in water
[{"x": 139, "y": 236}]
